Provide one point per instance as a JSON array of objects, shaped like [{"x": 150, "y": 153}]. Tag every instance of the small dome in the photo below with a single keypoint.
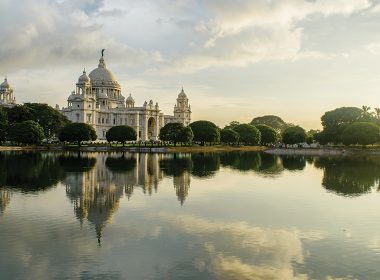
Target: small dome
[
  {"x": 182, "y": 94},
  {"x": 103, "y": 95},
  {"x": 5, "y": 84},
  {"x": 84, "y": 78},
  {"x": 71, "y": 97},
  {"x": 130, "y": 98}
]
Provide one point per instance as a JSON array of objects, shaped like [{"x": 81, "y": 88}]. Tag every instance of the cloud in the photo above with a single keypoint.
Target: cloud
[
  {"x": 52, "y": 33},
  {"x": 274, "y": 251},
  {"x": 239, "y": 33}
]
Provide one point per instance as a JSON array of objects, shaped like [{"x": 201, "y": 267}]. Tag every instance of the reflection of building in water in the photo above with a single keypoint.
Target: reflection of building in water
[
  {"x": 5, "y": 199},
  {"x": 96, "y": 193},
  {"x": 182, "y": 186}
]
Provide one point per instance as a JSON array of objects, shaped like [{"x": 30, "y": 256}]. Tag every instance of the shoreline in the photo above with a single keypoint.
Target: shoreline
[{"x": 327, "y": 151}]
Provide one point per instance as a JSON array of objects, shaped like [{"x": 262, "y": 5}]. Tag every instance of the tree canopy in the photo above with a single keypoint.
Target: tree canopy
[
  {"x": 362, "y": 133},
  {"x": 176, "y": 132},
  {"x": 3, "y": 124},
  {"x": 121, "y": 133},
  {"x": 272, "y": 121},
  {"x": 294, "y": 135},
  {"x": 229, "y": 136},
  {"x": 248, "y": 134},
  {"x": 205, "y": 131},
  {"x": 26, "y": 132},
  {"x": 77, "y": 132},
  {"x": 268, "y": 134},
  {"x": 50, "y": 119}
]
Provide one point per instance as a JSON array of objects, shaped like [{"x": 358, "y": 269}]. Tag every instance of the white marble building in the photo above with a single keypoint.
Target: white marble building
[
  {"x": 7, "y": 98},
  {"x": 99, "y": 102}
]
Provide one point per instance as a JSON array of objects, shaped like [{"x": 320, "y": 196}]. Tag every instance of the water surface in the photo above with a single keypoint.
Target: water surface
[{"x": 181, "y": 216}]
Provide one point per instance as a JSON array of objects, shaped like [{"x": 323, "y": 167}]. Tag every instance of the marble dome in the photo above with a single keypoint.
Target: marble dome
[{"x": 102, "y": 76}]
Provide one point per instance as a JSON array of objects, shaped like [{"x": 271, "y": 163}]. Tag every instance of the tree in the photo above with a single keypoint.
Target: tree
[
  {"x": 3, "y": 124},
  {"x": 229, "y": 136},
  {"x": 27, "y": 132},
  {"x": 121, "y": 133},
  {"x": 362, "y": 133},
  {"x": 50, "y": 119},
  {"x": 248, "y": 134},
  {"x": 186, "y": 135},
  {"x": 231, "y": 125},
  {"x": 205, "y": 131},
  {"x": 335, "y": 121},
  {"x": 176, "y": 132},
  {"x": 19, "y": 113},
  {"x": 268, "y": 134},
  {"x": 377, "y": 113},
  {"x": 274, "y": 122},
  {"x": 294, "y": 135},
  {"x": 77, "y": 132}
]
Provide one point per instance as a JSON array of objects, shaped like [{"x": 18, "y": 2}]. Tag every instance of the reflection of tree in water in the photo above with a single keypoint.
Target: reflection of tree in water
[
  {"x": 263, "y": 164},
  {"x": 293, "y": 163},
  {"x": 121, "y": 164},
  {"x": 205, "y": 165},
  {"x": 29, "y": 171},
  {"x": 5, "y": 199},
  {"x": 349, "y": 176}
]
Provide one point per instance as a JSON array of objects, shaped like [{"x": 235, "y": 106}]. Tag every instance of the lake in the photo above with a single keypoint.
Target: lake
[{"x": 234, "y": 215}]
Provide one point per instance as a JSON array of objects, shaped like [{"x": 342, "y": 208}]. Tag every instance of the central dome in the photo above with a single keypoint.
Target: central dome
[{"x": 102, "y": 76}]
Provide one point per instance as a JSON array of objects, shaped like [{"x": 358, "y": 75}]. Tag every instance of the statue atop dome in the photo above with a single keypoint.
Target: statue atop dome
[{"x": 103, "y": 52}]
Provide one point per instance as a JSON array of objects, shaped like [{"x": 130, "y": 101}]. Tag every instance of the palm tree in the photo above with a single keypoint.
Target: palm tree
[
  {"x": 366, "y": 111},
  {"x": 377, "y": 113}
]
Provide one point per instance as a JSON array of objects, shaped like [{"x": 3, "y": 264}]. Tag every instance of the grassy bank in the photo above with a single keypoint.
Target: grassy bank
[{"x": 200, "y": 149}]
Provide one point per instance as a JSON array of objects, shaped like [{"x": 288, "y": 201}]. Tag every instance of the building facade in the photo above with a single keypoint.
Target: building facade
[
  {"x": 98, "y": 101},
  {"x": 7, "y": 98}
]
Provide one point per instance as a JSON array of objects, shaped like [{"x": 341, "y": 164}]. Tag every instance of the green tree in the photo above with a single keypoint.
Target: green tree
[
  {"x": 3, "y": 124},
  {"x": 19, "y": 113},
  {"x": 294, "y": 135},
  {"x": 77, "y": 132},
  {"x": 186, "y": 135},
  {"x": 50, "y": 119},
  {"x": 362, "y": 133},
  {"x": 27, "y": 132},
  {"x": 335, "y": 121},
  {"x": 229, "y": 136},
  {"x": 205, "y": 131},
  {"x": 268, "y": 134},
  {"x": 121, "y": 133},
  {"x": 176, "y": 132},
  {"x": 274, "y": 122},
  {"x": 231, "y": 125},
  {"x": 248, "y": 134}
]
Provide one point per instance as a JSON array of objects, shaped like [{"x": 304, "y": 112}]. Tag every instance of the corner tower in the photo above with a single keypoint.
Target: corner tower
[{"x": 182, "y": 110}]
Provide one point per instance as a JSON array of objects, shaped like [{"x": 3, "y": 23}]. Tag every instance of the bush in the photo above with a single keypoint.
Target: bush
[
  {"x": 294, "y": 135},
  {"x": 121, "y": 133},
  {"x": 362, "y": 133},
  {"x": 26, "y": 132},
  {"x": 248, "y": 134},
  {"x": 268, "y": 134},
  {"x": 77, "y": 132}
]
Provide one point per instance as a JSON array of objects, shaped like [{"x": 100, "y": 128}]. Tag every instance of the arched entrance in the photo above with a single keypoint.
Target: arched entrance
[{"x": 152, "y": 129}]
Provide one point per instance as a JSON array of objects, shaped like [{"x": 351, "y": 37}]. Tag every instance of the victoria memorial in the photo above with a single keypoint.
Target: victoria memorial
[{"x": 98, "y": 101}]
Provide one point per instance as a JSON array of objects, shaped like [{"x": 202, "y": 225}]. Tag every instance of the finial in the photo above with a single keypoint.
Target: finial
[
  {"x": 84, "y": 70},
  {"x": 103, "y": 52}
]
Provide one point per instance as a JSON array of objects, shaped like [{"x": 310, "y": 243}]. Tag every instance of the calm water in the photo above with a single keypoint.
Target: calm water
[{"x": 181, "y": 216}]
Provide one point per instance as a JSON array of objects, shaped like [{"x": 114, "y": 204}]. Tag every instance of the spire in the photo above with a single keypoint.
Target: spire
[
  {"x": 102, "y": 64},
  {"x": 84, "y": 71}
]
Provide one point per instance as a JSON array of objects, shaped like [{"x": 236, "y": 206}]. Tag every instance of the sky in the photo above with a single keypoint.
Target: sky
[{"x": 236, "y": 59}]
